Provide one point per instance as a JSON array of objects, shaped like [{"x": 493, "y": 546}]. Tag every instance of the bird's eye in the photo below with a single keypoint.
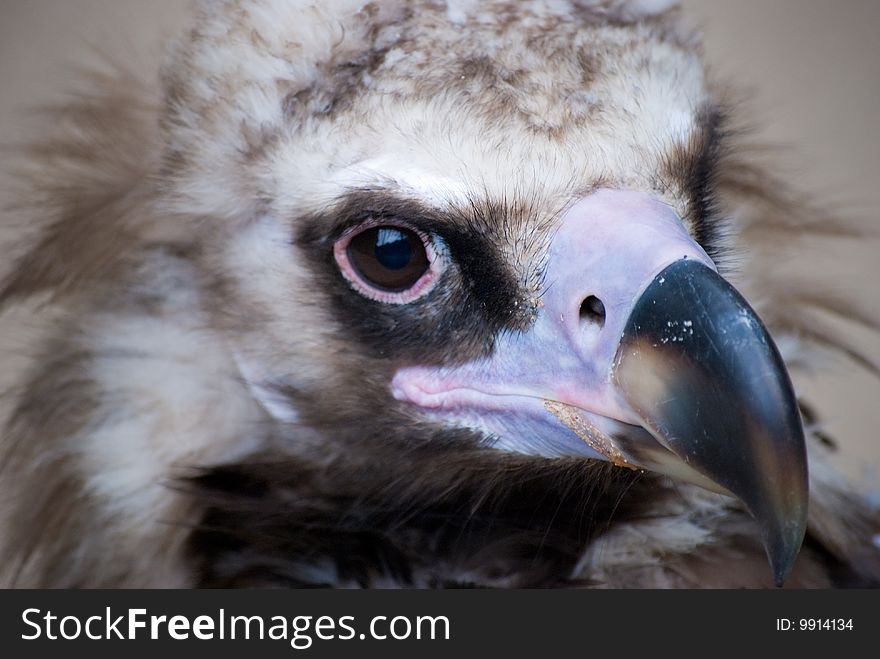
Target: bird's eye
[
  {"x": 386, "y": 262},
  {"x": 389, "y": 258}
]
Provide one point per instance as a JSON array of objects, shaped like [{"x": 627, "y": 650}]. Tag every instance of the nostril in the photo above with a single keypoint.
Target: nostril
[{"x": 593, "y": 311}]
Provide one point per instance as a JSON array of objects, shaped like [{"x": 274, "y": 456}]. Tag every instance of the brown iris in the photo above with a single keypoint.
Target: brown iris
[{"x": 389, "y": 258}]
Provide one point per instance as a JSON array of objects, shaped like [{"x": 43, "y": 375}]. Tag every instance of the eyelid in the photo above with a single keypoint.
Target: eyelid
[{"x": 349, "y": 232}]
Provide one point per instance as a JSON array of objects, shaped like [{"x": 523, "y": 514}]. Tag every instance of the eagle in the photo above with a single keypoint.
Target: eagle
[{"x": 416, "y": 294}]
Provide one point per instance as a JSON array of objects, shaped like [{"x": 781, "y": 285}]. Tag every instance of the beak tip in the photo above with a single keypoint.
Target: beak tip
[
  {"x": 781, "y": 563},
  {"x": 783, "y": 547}
]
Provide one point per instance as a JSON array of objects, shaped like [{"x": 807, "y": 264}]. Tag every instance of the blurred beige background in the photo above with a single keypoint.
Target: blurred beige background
[{"x": 810, "y": 69}]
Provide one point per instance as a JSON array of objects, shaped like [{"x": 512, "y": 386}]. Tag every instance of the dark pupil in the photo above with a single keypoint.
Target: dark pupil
[
  {"x": 389, "y": 258},
  {"x": 393, "y": 249}
]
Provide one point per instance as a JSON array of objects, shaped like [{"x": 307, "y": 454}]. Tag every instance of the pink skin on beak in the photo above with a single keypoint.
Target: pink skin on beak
[{"x": 609, "y": 245}]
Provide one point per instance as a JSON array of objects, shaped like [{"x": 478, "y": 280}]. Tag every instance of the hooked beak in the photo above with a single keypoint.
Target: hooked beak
[
  {"x": 702, "y": 374},
  {"x": 671, "y": 371}
]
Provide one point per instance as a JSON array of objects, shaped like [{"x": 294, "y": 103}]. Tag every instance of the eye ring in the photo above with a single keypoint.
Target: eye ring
[{"x": 388, "y": 261}]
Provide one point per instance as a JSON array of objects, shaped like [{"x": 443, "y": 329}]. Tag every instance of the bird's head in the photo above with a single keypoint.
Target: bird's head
[{"x": 481, "y": 224}]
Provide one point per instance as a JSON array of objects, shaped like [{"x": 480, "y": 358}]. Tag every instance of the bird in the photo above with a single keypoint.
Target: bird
[{"x": 424, "y": 294}]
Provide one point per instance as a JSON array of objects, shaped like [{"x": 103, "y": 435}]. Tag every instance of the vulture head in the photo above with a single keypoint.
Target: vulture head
[{"x": 420, "y": 294}]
